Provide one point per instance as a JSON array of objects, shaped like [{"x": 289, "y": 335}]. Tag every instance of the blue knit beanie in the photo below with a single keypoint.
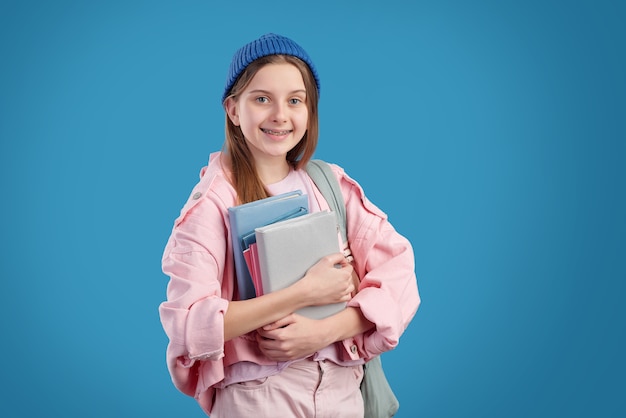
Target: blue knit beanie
[{"x": 269, "y": 44}]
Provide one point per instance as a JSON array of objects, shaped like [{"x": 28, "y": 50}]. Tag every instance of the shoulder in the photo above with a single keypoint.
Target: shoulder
[
  {"x": 212, "y": 189},
  {"x": 353, "y": 192}
]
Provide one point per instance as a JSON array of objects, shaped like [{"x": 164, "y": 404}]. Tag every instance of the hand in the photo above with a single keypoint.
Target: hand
[
  {"x": 291, "y": 338},
  {"x": 329, "y": 281}
]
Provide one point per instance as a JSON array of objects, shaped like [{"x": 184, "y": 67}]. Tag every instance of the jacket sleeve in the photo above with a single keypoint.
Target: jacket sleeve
[
  {"x": 193, "y": 314},
  {"x": 384, "y": 261}
]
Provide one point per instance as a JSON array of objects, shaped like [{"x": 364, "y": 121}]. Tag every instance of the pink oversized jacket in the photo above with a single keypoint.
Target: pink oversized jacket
[{"x": 199, "y": 261}]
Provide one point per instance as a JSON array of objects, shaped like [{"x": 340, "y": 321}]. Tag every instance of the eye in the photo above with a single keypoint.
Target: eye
[
  {"x": 262, "y": 99},
  {"x": 295, "y": 101}
]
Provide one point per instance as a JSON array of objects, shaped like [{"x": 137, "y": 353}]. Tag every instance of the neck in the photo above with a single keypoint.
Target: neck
[{"x": 271, "y": 172}]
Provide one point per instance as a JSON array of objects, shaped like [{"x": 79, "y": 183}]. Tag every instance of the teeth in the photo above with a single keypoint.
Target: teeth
[{"x": 271, "y": 132}]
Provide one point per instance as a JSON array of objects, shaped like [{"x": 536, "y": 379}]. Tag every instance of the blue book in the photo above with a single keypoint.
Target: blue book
[
  {"x": 245, "y": 218},
  {"x": 250, "y": 238}
]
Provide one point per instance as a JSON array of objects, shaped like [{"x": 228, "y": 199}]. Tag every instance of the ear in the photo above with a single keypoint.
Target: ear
[{"x": 230, "y": 106}]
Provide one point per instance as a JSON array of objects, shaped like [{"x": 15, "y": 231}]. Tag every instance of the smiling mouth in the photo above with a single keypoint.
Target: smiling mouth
[{"x": 273, "y": 132}]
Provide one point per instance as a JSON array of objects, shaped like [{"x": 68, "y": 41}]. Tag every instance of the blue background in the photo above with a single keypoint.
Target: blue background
[{"x": 493, "y": 133}]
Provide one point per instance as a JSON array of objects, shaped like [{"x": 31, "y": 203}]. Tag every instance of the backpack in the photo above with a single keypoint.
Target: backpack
[{"x": 378, "y": 397}]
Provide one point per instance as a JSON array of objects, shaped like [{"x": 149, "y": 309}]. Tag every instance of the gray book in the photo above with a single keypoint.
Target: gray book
[{"x": 287, "y": 249}]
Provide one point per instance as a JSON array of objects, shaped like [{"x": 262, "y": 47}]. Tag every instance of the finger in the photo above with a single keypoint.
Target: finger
[
  {"x": 280, "y": 323},
  {"x": 351, "y": 287},
  {"x": 263, "y": 338},
  {"x": 272, "y": 326},
  {"x": 262, "y": 334},
  {"x": 336, "y": 259},
  {"x": 345, "y": 264}
]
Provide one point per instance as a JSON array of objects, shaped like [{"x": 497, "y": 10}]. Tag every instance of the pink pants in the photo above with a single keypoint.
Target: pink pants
[{"x": 305, "y": 389}]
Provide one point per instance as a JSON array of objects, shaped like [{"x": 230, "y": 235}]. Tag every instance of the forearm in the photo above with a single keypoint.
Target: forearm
[
  {"x": 247, "y": 315},
  {"x": 345, "y": 324},
  {"x": 328, "y": 281}
]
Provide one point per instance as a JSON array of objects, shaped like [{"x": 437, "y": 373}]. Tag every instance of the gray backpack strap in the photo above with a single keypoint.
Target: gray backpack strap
[
  {"x": 378, "y": 397},
  {"x": 325, "y": 180}
]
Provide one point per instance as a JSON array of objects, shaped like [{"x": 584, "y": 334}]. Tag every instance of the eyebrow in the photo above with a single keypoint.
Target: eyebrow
[{"x": 257, "y": 91}]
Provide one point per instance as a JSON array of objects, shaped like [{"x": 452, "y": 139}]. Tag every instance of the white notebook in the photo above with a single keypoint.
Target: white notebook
[{"x": 287, "y": 249}]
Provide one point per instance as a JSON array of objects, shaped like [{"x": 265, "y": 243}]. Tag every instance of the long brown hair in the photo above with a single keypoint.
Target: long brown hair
[{"x": 245, "y": 178}]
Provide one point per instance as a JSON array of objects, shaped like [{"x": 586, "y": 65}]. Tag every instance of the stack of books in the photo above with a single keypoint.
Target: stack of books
[{"x": 275, "y": 242}]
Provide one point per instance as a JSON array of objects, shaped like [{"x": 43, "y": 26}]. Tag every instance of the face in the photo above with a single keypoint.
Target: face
[{"x": 271, "y": 111}]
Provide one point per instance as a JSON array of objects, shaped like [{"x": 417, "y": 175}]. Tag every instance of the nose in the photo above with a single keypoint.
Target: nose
[{"x": 279, "y": 112}]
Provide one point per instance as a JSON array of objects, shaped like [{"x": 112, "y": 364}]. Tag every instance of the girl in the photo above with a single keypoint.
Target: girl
[{"x": 255, "y": 357}]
